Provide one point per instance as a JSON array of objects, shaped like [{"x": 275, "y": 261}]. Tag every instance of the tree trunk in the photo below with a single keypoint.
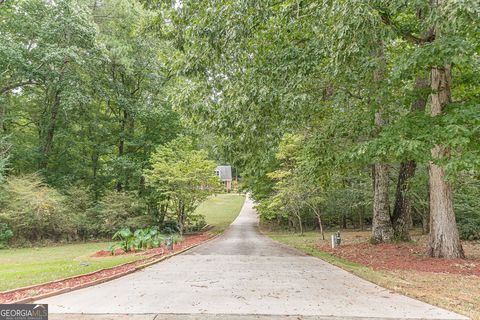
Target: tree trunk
[
  {"x": 300, "y": 224},
  {"x": 3, "y": 115},
  {"x": 426, "y": 222},
  {"x": 402, "y": 216},
  {"x": 47, "y": 132},
  {"x": 95, "y": 164},
  {"x": 361, "y": 217},
  {"x": 382, "y": 230},
  {"x": 319, "y": 219},
  {"x": 121, "y": 145},
  {"x": 444, "y": 238},
  {"x": 181, "y": 217}
]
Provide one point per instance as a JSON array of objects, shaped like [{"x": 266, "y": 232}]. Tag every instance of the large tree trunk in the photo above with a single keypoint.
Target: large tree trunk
[
  {"x": 444, "y": 238},
  {"x": 402, "y": 216},
  {"x": 382, "y": 230}
]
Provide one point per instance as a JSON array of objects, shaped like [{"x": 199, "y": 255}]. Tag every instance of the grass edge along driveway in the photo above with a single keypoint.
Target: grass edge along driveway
[
  {"x": 20, "y": 267},
  {"x": 449, "y": 291}
]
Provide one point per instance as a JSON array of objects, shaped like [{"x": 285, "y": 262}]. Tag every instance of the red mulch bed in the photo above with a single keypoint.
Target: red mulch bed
[
  {"x": 107, "y": 253},
  {"x": 151, "y": 255},
  {"x": 404, "y": 256}
]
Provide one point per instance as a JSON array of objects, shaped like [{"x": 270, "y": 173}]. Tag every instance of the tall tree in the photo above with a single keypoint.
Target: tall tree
[
  {"x": 444, "y": 238},
  {"x": 402, "y": 216},
  {"x": 382, "y": 230}
]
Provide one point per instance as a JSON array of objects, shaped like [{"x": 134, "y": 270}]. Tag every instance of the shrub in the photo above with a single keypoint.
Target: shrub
[
  {"x": 195, "y": 222},
  {"x": 467, "y": 208},
  {"x": 78, "y": 201},
  {"x": 5, "y": 235},
  {"x": 35, "y": 211},
  {"x": 469, "y": 228},
  {"x": 117, "y": 210},
  {"x": 170, "y": 227}
]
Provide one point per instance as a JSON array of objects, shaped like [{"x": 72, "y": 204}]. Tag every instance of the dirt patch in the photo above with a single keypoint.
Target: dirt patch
[{"x": 151, "y": 255}]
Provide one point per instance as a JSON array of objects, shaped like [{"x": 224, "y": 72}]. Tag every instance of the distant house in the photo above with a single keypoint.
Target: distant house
[{"x": 224, "y": 173}]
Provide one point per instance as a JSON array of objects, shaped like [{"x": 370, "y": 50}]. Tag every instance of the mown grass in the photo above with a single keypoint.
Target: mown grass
[
  {"x": 305, "y": 243},
  {"x": 220, "y": 210},
  {"x": 27, "y": 266},
  {"x": 450, "y": 291}
]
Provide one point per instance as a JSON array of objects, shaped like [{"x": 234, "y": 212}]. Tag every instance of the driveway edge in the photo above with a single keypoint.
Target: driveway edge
[{"x": 98, "y": 281}]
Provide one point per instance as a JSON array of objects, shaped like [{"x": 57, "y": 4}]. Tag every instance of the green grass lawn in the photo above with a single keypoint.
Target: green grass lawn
[
  {"x": 220, "y": 210},
  {"x": 306, "y": 244},
  {"x": 450, "y": 291},
  {"x": 28, "y": 266}
]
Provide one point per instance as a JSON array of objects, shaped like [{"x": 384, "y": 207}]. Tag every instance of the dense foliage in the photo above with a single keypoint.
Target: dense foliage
[
  {"x": 83, "y": 106},
  {"x": 337, "y": 113},
  {"x": 367, "y": 90}
]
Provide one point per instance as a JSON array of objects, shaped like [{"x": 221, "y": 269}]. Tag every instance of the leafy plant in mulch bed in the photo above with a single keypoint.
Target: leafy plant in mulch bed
[{"x": 140, "y": 239}]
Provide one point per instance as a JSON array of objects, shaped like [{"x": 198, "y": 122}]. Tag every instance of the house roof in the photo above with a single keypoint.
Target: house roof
[{"x": 224, "y": 173}]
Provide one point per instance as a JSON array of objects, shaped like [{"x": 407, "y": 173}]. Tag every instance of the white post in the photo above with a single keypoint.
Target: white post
[{"x": 333, "y": 241}]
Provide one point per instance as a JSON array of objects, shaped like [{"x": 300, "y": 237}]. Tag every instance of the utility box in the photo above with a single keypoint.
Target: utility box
[{"x": 336, "y": 239}]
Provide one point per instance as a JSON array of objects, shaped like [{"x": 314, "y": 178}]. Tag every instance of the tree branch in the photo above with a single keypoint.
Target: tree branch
[
  {"x": 16, "y": 85},
  {"x": 428, "y": 37}
]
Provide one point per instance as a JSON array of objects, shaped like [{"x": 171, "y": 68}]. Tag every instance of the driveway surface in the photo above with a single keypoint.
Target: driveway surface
[{"x": 241, "y": 275}]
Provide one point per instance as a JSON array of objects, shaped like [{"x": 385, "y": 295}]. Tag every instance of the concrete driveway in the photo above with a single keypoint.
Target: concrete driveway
[{"x": 241, "y": 275}]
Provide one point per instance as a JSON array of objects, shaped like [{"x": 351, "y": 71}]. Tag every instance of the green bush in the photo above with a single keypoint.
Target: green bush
[
  {"x": 5, "y": 235},
  {"x": 467, "y": 208},
  {"x": 117, "y": 210},
  {"x": 469, "y": 228},
  {"x": 79, "y": 202},
  {"x": 170, "y": 227},
  {"x": 35, "y": 211},
  {"x": 195, "y": 222}
]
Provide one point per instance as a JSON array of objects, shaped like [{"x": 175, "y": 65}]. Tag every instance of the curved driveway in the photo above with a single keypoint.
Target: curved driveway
[{"x": 241, "y": 275}]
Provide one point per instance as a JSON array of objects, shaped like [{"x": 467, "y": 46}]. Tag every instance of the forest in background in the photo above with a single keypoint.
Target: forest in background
[
  {"x": 346, "y": 112},
  {"x": 336, "y": 113},
  {"x": 84, "y": 104}
]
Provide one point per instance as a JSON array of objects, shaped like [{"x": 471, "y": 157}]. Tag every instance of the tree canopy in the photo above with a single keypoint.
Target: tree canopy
[{"x": 342, "y": 113}]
